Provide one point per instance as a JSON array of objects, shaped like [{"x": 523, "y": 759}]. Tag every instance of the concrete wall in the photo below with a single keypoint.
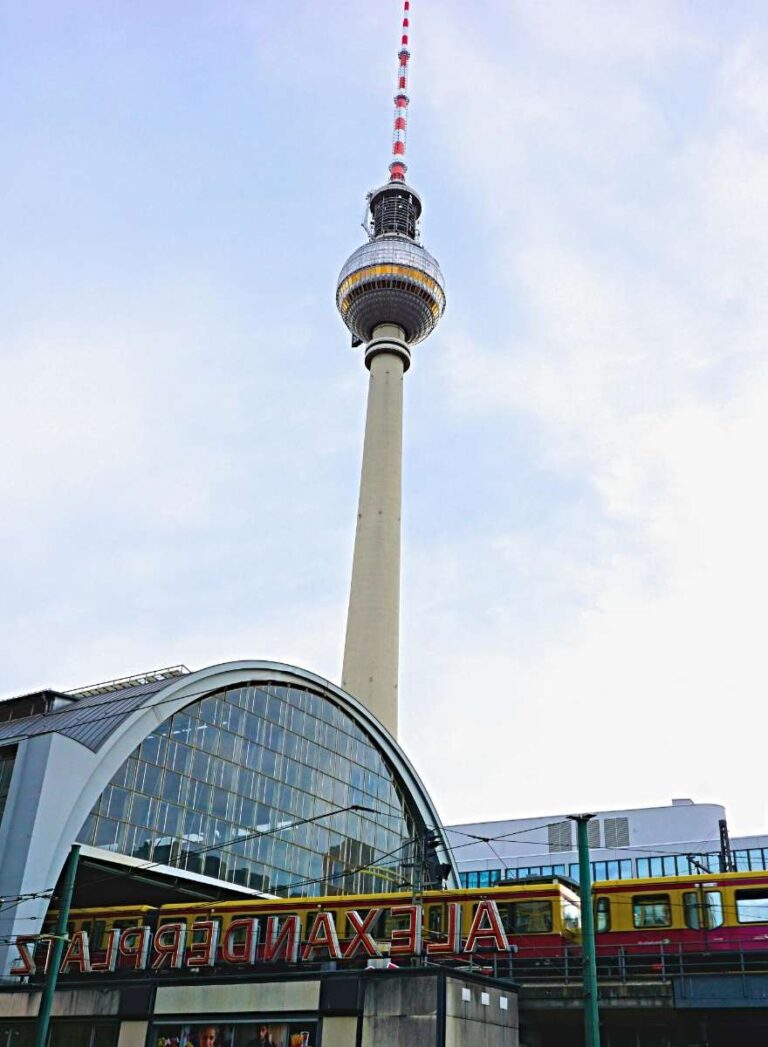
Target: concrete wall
[
  {"x": 133, "y": 1034},
  {"x": 340, "y": 1032},
  {"x": 479, "y": 1017},
  {"x": 400, "y": 1011},
  {"x": 238, "y": 997},
  {"x": 67, "y": 1003}
]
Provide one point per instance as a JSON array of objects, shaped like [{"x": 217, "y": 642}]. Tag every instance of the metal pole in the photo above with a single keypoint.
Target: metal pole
[
  {"x": 46, "y": 1003},
  {"x": 591, "y": 1015}
]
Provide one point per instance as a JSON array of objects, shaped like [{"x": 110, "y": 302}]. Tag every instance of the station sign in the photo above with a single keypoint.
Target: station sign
[{"x": 250, "y": 941}]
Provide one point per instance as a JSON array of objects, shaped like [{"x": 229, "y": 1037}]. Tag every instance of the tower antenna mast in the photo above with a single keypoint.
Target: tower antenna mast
[
  {"x": 398, "y": 167},
  {"x": 391, "y": 295}
]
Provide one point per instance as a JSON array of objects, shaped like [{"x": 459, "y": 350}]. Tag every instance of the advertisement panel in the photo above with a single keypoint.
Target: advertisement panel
[{"x": 213, "y": 1033}]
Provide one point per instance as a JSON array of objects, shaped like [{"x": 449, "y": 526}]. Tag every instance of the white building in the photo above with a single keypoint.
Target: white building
[{"x": 648, "y": 841}]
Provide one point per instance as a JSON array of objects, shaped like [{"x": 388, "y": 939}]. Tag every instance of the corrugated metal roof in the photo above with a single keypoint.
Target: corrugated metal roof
[{"x": 89, "y": 721}]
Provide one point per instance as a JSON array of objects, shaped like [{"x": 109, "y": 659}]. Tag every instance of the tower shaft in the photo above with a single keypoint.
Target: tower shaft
[{"x": 371, "y": 651}]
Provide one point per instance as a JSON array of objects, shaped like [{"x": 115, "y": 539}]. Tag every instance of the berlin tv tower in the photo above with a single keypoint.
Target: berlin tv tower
[{"x": 390, "y": 295}]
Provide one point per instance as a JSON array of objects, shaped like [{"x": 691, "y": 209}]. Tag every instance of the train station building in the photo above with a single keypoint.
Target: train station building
[{"x": 243, "y": 779}]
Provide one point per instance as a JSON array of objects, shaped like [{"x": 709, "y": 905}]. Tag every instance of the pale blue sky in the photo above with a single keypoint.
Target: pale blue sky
[{"x": 181, "y": 427}]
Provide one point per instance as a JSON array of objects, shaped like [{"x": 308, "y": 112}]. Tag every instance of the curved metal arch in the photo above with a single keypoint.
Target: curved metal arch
[{"x": 185, "y": 690}]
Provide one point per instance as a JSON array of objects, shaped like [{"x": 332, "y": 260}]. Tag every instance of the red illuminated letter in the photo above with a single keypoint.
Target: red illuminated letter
[
  {"x": 203, "y": 953},
  {"x": 452, "y": 944},
  {"x": 322, "y": 936},
  {"x": 487, "y": 928},
  {"x": 169, "y": 946},
  {"x": 245, "y": 951},
  {"x": 362, "y": 939},
  {"x": 26, "y": 963},
  {"x": 282, "y": 942},
  {"x": 109, "y": 963},
  {"x": 134, "y": 946},
  {"x": 407, "y": 940},
  {"x": 78, "y": 954}
]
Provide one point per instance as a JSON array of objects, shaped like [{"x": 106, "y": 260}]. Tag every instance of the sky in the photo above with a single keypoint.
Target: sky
[{"x": 585, "y": 512}]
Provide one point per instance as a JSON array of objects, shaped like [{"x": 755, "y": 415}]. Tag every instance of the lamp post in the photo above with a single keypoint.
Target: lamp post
[
  {"x": 60, "y": 936},
  {"x": 591, "y": 1014}
]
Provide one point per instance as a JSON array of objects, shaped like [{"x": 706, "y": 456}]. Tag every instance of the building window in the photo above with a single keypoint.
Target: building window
[{"x": 620, "y": 869}]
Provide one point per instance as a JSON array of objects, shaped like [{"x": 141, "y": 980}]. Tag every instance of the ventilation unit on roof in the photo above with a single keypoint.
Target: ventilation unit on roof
[
  {"x": 153, "y": 676},
  {"x": 616, "y": 832},
  {"x": 560, "y": 836}
]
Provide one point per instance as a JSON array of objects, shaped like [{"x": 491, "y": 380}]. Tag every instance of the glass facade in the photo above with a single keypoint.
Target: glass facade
[
  {"x": 678, "y": 864},
  {"x": 219, "y": 787},
  {"x": 609, "y": 870},
  {"x": 753, "y": 859}
]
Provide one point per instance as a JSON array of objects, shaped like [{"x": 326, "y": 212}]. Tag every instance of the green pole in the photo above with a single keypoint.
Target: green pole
[
  {"x": 46, "y": 1004},
  {"x": 591, "y": 1015}
]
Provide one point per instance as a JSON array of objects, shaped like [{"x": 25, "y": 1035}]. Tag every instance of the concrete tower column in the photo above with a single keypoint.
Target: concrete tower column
[{"x": 371, "y": 650}]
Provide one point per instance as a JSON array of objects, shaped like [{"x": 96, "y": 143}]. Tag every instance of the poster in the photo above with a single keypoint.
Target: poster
[{"x": 226, "y": 1034}]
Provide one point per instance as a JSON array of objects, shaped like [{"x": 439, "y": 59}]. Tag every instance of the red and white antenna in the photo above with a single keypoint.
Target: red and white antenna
[{"x": 398, "y": 167}]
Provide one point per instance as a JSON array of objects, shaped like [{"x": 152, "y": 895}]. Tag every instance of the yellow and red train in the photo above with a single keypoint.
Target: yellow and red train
[{"x": 530, "y": 922}]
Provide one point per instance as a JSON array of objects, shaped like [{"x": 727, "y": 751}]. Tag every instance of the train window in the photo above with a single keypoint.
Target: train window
[
  {"x": 571, "y": 916},
  {"x": 602, "y": 914},
  {"x": 713, "y": 904},
  {"x": 713, "y": 907},
  {"x": 691, "y": 910},
  {"x": 435, "y": 919},
  {"x": 752, "y": 905},
  {"x": 651, "y": 910},
  {"x": 527, "y": 917},
  {"x": 97, "y": 934}
]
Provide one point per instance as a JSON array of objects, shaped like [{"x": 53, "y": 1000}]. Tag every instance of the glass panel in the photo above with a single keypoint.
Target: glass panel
[
  {"x": 713, "y": 905},
  {"x": 742, "y": 861},
  {"x": 220, "y": 770},
  {"x": 602, "y": 914},
  {"x": 528, "y": 917},
  {"x": 691, "y": 909},
  {"x": 752, "y": 905},
  {"x": 651, "y": 910}
]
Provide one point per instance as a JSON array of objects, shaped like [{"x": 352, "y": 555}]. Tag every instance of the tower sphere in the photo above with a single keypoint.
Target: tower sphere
[{"x": 392, "y": 279}]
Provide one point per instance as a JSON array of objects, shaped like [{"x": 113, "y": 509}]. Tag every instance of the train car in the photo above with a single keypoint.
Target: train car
[{"x": 709, "y": 915}]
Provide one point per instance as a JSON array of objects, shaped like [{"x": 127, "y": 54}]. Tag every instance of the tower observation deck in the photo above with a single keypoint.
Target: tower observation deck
[{"x": 391, "y": 295}]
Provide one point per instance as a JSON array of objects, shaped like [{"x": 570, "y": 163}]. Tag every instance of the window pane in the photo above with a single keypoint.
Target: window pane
[
  {"x": 691, "y": 909},
  {"x": 651, "y": 910},
  {"x": 752, "y": 905},
  {"x": 713, "y": 904},
  {"x": 603, "y": 914},
  {"x": 529, "y": 917}
]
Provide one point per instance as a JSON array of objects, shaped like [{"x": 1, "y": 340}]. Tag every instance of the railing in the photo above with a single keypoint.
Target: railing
[{"x": 627, "y": 965}]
